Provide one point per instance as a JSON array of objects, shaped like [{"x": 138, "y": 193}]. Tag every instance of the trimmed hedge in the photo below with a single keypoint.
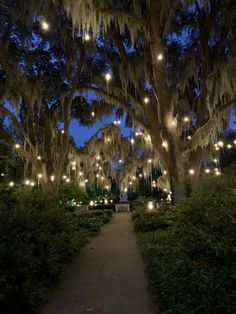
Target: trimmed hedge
[
  {"x": 191, "y": 264},
  {"x": 37, "y": 239}
]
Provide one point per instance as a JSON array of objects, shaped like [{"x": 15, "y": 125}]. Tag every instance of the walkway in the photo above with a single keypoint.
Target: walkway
[{"x": 107, "y": 277}]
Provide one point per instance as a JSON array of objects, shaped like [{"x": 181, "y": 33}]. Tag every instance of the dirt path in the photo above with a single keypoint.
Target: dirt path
[{"x": 107, "y": 277}]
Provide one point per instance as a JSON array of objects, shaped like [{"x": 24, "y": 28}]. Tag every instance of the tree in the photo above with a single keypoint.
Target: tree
[{"x": 177, "y": 79}]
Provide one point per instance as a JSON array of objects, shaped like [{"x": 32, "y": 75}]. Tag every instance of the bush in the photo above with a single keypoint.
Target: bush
[
  {"x": 37, "y": 239},
  {"x": 70, "y": 194},
  {"x": 191, "y": 265}
]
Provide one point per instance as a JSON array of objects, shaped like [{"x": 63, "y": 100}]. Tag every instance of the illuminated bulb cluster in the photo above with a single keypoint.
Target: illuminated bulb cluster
[
  {"x": 117, "y": 122},
  {"x": 138, "y": 133}
]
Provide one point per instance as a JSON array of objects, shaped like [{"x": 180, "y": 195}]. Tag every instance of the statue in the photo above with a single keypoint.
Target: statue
[{"x": 123, "y": 197}]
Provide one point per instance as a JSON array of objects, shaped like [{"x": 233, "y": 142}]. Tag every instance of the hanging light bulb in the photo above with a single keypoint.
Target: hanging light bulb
[
  {"x": 92, "y": 113},
  {"x": 140, "y": 175},
  {"x": 160, "y": 57},
  {"x": 40, "y": 175},
  {"x": 97, "y": 175},
  {"x": 11, "y": 183},
  {"x": 39, "y": 157},
  {"x": 32, "y": 183},
  {"x": 98, "y": 157},
  {"x": 45, "y": 26},
  {"x": 221, "y": 143},
  {"x": 108, "y": 77},
  {"x": 125, "y": 190},
  {"x": 165, "y": 144},
  {"x": 62, "y": 131},
  {"x": 132, "y": 141},
  {"x": 229, "y": 146},
  {"x": 67, "y": 180},
  {"x": 80, "y": 173},
  {"x": 218, "y": 173},
  {"x": 207, "y": 170},
  {"x": 165, "y": 172},
  {"x": 27, "y": 182},
  {"x": 87, "y": 37},
  {"x": 17, "y": 146},
  {"x": 64, "y": 177},
  {"x": 146, "y": 100},
  {"x": 191, "y": 171},
  {"x": 91, "y": 203},
  {"x": 186, "y": 119},
  {"x": 215, "y": 161},
  {"x": 86, "y": 180},
  {"x": 149, "y": 161},
  {"x": 2, "y": 174},
  {"x": 234, "y": 142},
  {"x": 120, "y": 161},
  {"x": 52, "y": 178},
  {"x": 189, "y": 137}
]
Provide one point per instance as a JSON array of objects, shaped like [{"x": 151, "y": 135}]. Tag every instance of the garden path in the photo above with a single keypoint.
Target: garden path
[{"x": 107, "y": 277}]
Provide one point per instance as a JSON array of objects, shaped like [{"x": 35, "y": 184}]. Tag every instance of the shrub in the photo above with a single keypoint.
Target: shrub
[
  {"x": 70, "y": 194},
  {"x": 37, "y": 239},
  {"x": 191, "y": 265}
]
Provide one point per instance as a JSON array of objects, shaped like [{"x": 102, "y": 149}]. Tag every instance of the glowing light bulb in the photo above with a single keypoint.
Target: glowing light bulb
[
  {"x": 52, "y": 178},
  {"x": 11, "y": 183},
  {"x": 80, "y": 173},
  {"x": 105, "y": 201},
  {"x": 73, "y": 168},
  {"x": 45, "y": 25},
  {"x": 27, "y": 182},
  {"x": 64, "y": 177},
  {"x": 186, "y": 119},
  {"x": 87, "y": 37},
  {"x": 146, "y": 100},
  {"x": 2, "y": 174},
  {"x": 207, "y": 170},
  {"x": 218, "y": 173},
  {"x": 132, "y": 141},
  {"x": 235, "y": 142},
  {"x": 125, "y": 190},
  {"x": 40, "y": 175},
  {"x": 86, "y": 180},
  {"x": 62, "y": 131},
  {"x": 91, "y": 203},
  {"x": 39, "y": 157},
  {"x": 17, "y": 146},
  {"x": 108, "y": 77},
  {"x": 120, "y": 161},
  {"x": 229, "y": 146},
  {"x": 149, "y": 161},
  {"x": 165, "y": 172},
  {"x": 150, "y": 205},
  {"x": 191, "y": 171},
  {"x": 92, "y": 113},
  {"x": 165, "y": 144},
  {"x": 32, "y": 183},
  {"x": 221, "y": 143},
  {"x": 189, "y": 137},
  {"x": 140, "y": 175},
  {"x": 67, "y": 180},
  {"x": 97, "y": 175},
  {"x": 215, "y": 161},
  {"x": 98, "y": 157},
  {"x": 160, "y": 57}
]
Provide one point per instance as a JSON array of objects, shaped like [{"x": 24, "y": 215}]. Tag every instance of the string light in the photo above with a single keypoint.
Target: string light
[
  {"x": 218, "y": 173},
  {"x": 97, "y": 175},
  {"x": 11, "y": 184},
  {"x": 98, "y": 157},
  {"x": 149, "y": 161},
  {"x": 80, "y": 173},
  {"x": 91, "y": 203},
  {"x": 207, "y": 170},
  {"x": 2, "y": 174},
  {"x": 229, "y": 146},
  {"x": 40, "y": 175},
  {"x": 150, "y": 205},
  {"x": 125, "y": 190},
  {"x": 165, "y": 172},
  {"x": 120, "y": 161},
  {"x": 27, "y": 182},
  {"x": 160, "y": 57},
  {"x": 189, "y": 137},
  {"x": 92, "y": 113},
  {"x": 132, "y": 141},
  {"x": 32, "y": 184},
  {"x": 17, "y": 146},
  {"x": 62, "y": 131},
  {"x": 140, "y": 175},
  {"x": 105, "y": 201},
  {"x": 86, "y": 180},
  {"x": 52, "y": 178},
  {"x": 39, "y": 157},
  {"x": 67, "y": 180}
]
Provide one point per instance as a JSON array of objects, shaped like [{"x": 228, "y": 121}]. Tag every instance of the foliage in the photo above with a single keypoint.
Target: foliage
[
  {"x": 37, "y": 239},
  {"x": 191, "y": 265},
  {"x": 71, "y": 193}
]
